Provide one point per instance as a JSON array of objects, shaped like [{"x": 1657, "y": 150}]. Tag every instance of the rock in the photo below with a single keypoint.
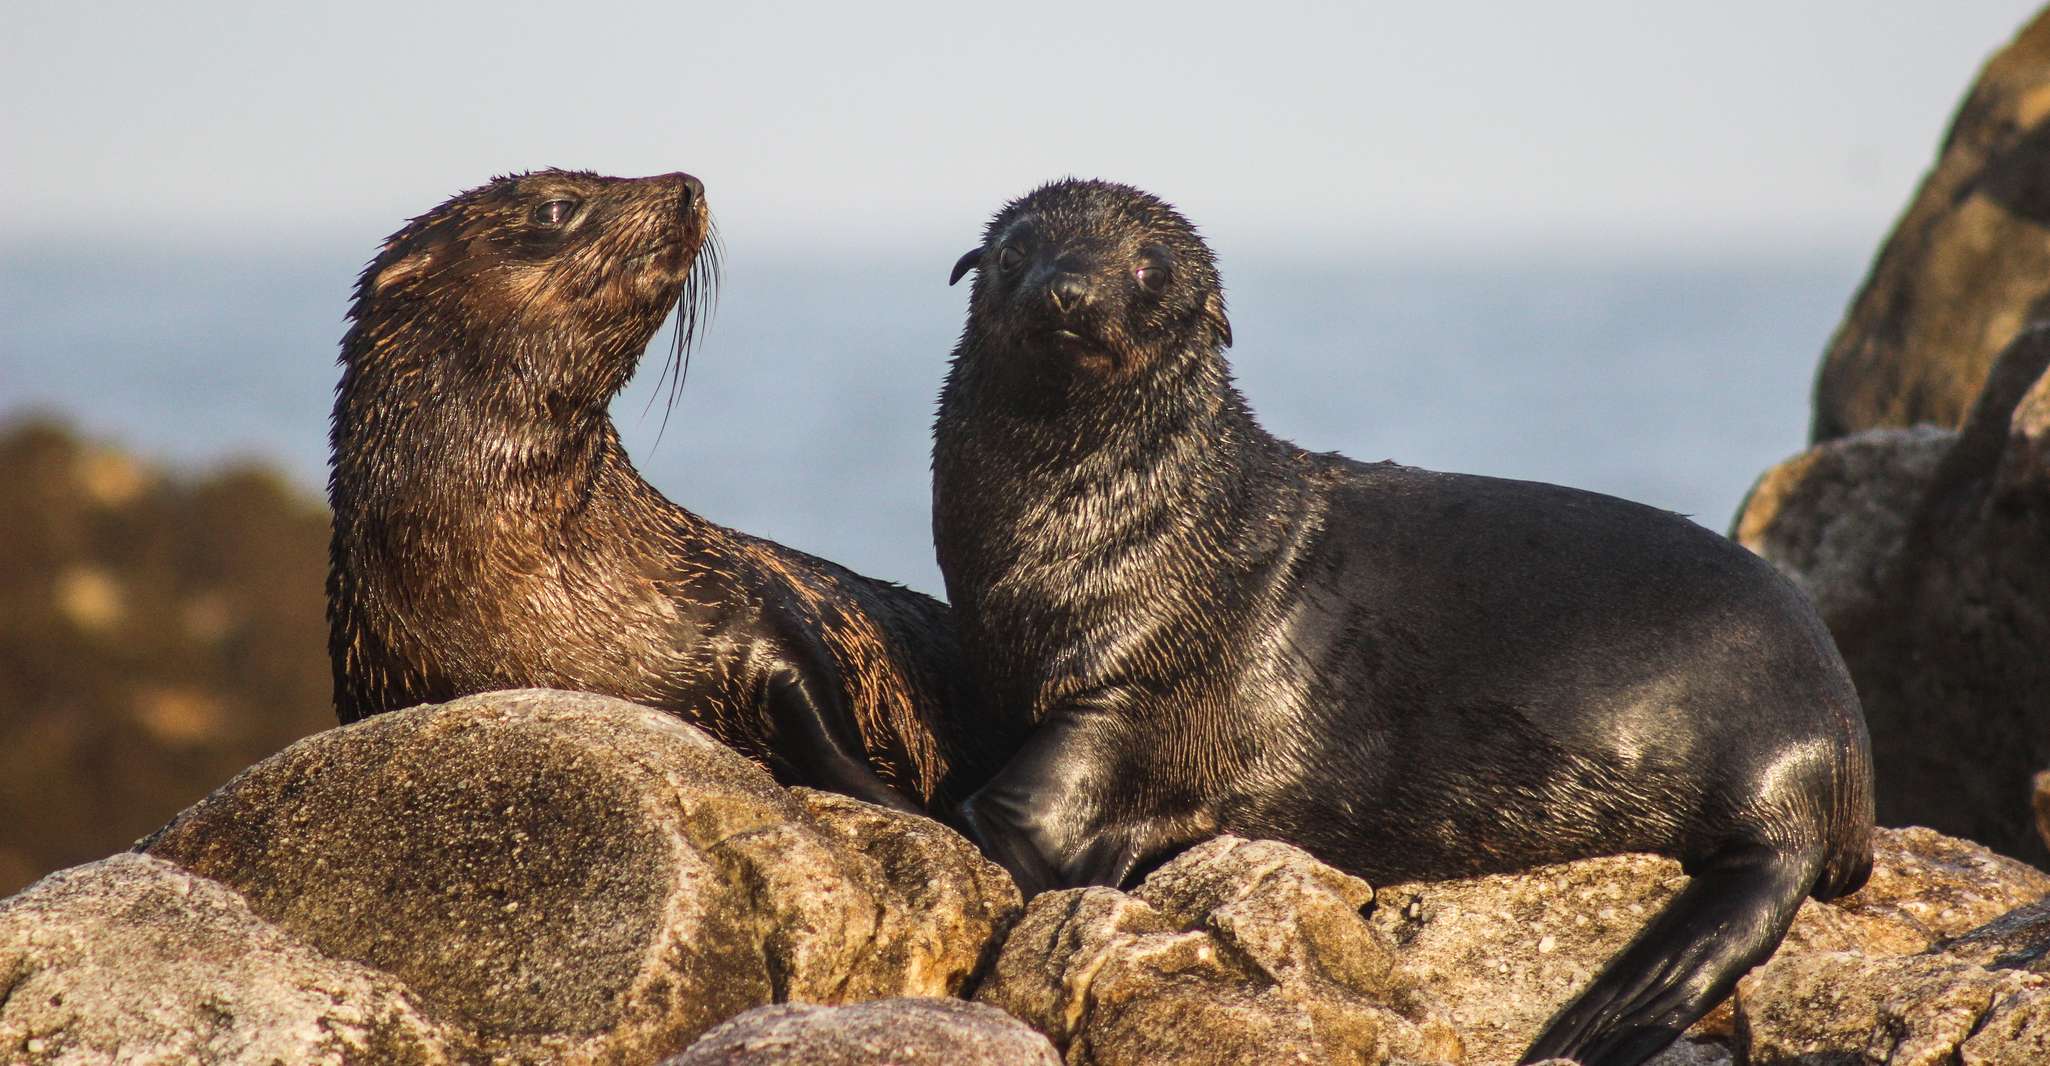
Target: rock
[
  {"x": 572, "y": 876},
  {"x": 1504, "y": 953},
  {"x": 901, "y": 1032},
  {"x": 1941, "y": 608},
  {"x": 1925, "y": 888},
  {"x": 162, "y": 632},
  {"x": 1842, "y": 1007},
  {"x": 1237, "y": 950},
  {"x": 1938, "y": 959},
  {"x": 131, "y": 959},
  {"x": 1833, "y": 518},
  {"x": 1967, "y": 266},
  {"x": 2041, "y": 782},
  {"x": 2017, "y": 940},
  {"x": 1234, "y": 952},
  {"x": 947, "y": 904}
]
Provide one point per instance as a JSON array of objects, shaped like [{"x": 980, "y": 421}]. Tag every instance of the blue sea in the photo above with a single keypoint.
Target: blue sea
[{"x": 1665, "y": 376}]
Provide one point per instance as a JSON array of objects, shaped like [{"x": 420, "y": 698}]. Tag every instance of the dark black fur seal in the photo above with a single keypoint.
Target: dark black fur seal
[
  {"x": 490, "y": 532},
  {"x": 1411, "y": 674}
]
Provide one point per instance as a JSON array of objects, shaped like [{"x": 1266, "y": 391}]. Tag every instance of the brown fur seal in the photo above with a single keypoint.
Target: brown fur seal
[
  {"x": 1411, "y": 674},
  {"x": 490, "y": 532}
]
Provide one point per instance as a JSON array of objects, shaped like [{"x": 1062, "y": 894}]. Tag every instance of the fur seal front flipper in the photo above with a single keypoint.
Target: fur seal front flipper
[{"x": 1410, "y": 674}]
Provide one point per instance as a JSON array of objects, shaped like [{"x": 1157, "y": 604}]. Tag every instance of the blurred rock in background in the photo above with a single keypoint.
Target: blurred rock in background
[
  {"x": 1920, "y": 522},
  {"x": 1967, "y": 266},
  {"x": 1941, "y": 606},
  {"x": 158, "y": 633}
]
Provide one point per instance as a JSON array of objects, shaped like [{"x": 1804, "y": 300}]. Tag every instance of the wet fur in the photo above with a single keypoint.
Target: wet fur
[
  {"x": 490, "y": 532},
  {"x": 1412, "y": 674}
]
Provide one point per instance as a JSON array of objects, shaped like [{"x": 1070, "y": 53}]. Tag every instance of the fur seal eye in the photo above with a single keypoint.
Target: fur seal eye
[
  {"x": 1153, "y": 268},
  {"x": 1009, "y": 258},
  {"x": 555, "y": 212}
]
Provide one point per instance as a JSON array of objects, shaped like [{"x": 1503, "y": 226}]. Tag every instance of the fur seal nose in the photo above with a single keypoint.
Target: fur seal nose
[
  {"x": 693, "y": 190},
  {"x": 1068, "y": 291}
]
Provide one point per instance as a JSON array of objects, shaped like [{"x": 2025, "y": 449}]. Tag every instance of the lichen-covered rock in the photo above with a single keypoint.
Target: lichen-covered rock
[
  {"x": 1938, "y": 959},
  {"x": 1942, "y": 609},
  {"x": 1504, "y": 953},
  {"x": 1234, "y": 952},
  {"x": 1843, "y": 1007},
  {"x": 1967, "y": 266},
  {"x": 1248, "y": 952},
  {"x": 946, "y": 902},
  {"x": 900, "y": 1032},
  {"x": 132, "y": 959},
  {"x": 2017, "y": 940},
  {"x": 571, "y": 876},
  {"x": 1925, "y": 888}
]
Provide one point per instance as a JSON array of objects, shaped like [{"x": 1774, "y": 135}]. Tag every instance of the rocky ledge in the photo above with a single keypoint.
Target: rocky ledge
[{"x": 539, "y": 876}]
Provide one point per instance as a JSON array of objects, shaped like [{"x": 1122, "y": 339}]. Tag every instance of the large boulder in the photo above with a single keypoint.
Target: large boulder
[
  {"x": 1967, "y": 266},
  {"x": 900, "y": 1032},
  {"x": 1234, "y": 952},
  {"x": 569, "y": 876},
  {"x": 1243, "y": 952},
  {"x": 1938, "y": 595},
  {"x": 1833, "y": 518},
  {"x": 132, "y": 959}
]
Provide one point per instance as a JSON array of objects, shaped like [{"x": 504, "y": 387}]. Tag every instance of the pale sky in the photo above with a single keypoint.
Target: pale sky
[{"x": 1755, "y": 122}]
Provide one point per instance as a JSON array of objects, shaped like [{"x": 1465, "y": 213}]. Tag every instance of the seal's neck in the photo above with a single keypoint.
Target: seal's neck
[
  {"x": 436, "y": 437},
  {"x": 1061, "y": 479}
]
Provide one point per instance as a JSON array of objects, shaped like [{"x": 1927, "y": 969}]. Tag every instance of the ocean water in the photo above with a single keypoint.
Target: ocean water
[{"x": 1664, "y": 376}]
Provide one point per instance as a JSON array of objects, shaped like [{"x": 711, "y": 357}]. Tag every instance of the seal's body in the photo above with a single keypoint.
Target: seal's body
[
  {"x": 490, "y": 532},
  {"x": 1411, "y": 674}
]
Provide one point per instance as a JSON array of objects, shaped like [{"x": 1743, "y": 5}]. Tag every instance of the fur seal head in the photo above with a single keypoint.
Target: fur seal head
[
  {"x": 558, "y": 277},
  {"x": 1108, "y": 280}
]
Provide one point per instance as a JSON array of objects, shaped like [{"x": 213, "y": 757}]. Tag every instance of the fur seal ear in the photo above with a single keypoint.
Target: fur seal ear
[
  {"x": 965, "y": 264},
  {"x": 1213, "y": 309}
]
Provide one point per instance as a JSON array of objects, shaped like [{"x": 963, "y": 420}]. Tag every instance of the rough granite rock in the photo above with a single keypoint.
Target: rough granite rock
[
  {"x": 1942, "y": 611},
  {"x": 899, "y": 1032},
  {"x": 1912, "y": 1010},
  {"x": 1502, "y": 954},
  {"x": 1938, "y": 960},
  {"x": 132, "y": 959},
  {"x": 571, "y": 876},
  {"x": 2017, "y": 940},
  {"x": 1234, "y": 952},
  {"x": 1925, "y": 888},
  {"x": 1967, "y": 265}
]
